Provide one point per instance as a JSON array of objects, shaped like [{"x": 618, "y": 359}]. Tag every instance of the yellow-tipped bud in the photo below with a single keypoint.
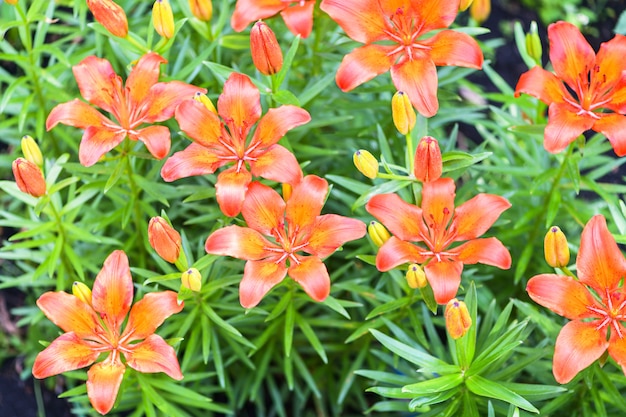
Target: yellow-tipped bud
[
  {"x": 164, "y": 239},
  {"x": 555, "y": 248},
  {"x": 415, "y": 276},
  {"x": 266, "y": 53},
  {"x": 480, "y": 10},
  {"x": 12, "y": 2},
  {"x": 464, "y": 4},
  {"x": 31, "y": 151},
  {"x": 377, "y": 233},
  {"x": 428, "y": 165},
  {"x": 28, "y": 177},
  {"x": 110, "y": 15},
  {"x": 458, "y": 320},
  {"x": 82, "y": 292},
  {"x": 287, "y": 190},
  {"x": 163, "y": 18},
  {"x": 365, "y": 162},
  {"x": 204, "y": 99},
  {"x": 533, "y": 43},
  {"x": 202, "y": 9},
  {"x": 191, "y": 279},
  {"x": 402, "y": 112}
]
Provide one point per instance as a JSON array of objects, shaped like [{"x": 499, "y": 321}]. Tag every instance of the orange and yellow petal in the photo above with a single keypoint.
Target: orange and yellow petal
[
  {"x": 195, "y": 160},
  {"x": 149, "y": 313},
  {"x": 418, "y": 79},
  {"x": 277, "y": 122},
  {"x": 306, "y": 202},
  {"x": 69, "y": 313},
  {"x": 276, "y": 164},
  {"x": 570, "y": 54},
  {"x": 403, "y": 220},
  {"x": 617, "y": 348},
  {"x": 449, "y": 47},
  {"x": 163, "y": 98},
  {"x": 143, "y": 76},
  {"x": 489, "y": 251},
  {"x": 395, "y": 252},
  {"x": 230, "y": 190},
  {"x": 98, "y": 83},
  {"x": 264, "y": 209},
  {"x": 76, "y": 113},
  {"x": 112, "y": 292},
  {"x": 238, "y": 242},
  {"x": 103, "y": 383},
  {"x": 362, "y": 20},
  {"x": 199, "y": 123},
  {"x": 299, "y": 18},
  {"x": 330, "y": 231},
  {"x": 543, "y": 85},
  {"x": 610, "y": 62},
  {"x": 312, "y": 275},
  {"x": 564, "y": 126},
  {"x": 363, "y": 64},
  {"x": 438, "y": 202},
  {"x": 435, "y": 14},
  {"x": 563, "y": 295},
  {"x": 578, "y": 345},
  {"x": 248, "y": 11},
  {"x": 474, "y": 217},
  {"x": 66, "y": 353},
  {"x": 96, "y": 142},
  {"x": 156, "y": 138},
  {"x": 154, "y": 355},
  {"x": 239, "y": 105},
  {"x": 613, "y": 126},
  {"x": 259, "y": 277},
  {"x": 444, "y": 278}
]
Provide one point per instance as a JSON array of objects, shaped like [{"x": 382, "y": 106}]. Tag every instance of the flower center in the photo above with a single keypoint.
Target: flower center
[
  {"x": 612, "y": 314},
  {"x": 403, "y": 30},
  {"x": 592, "y": 91},
  {"x": 287, "y": 246}
]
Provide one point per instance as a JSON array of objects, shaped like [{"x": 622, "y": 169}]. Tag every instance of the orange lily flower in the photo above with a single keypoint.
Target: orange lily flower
[
  {"x": 214, "y": 146},
  {"x": 294, "y": 226},
  {"x": 598, "y": 101},
  {"x": 142, "y": 100},
  {"x": 298, "y": 17},
  {"x": 595, "y": 304},
  {"x": 393, "y": 31},
  {"x": 437, "y": 225},
  {"x": 92, "y": 325}
]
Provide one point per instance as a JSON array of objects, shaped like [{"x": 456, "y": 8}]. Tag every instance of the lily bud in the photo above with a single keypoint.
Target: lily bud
[
  {"x": 110, "y": 15},
  {"x": 464, "y": 4},
  {"x": 163, "y": 18},
  {"x": 287, "y": 190},
  {"x": 202, "y": 9},
  {"x": 12, "y": 2},
  {"x": 31, "y": 151},
  {"x": 204, "y": 99},
  {"x": 29, "y": 177},
  {"x": 415, "y": 276},
  {"x": 266, "y": 54},
  {"x": 458, "y": 320},
  {"x": 164, "y": 239},
  {"x": 191, "y": 279},
  {"x": 402, "y": 112},
  {"x": 480, "y": 10},
  {"x": 377, "y": 233},
  {"x": 555, "y": 248},
  {"x": 428, "y": 165},
  {"x": 533, "y": 43},
  {"x": 366, "y": 163},
  {"x": 82, "y": 292}
]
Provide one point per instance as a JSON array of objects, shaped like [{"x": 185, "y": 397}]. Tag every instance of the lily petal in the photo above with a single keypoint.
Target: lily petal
[
  {"x": 570, "y": 53},
  {"x": 543, "y": 85},
  {"x": 154, "y": 355},
  {"x": 149, "y": 313},
  {"x": 238, "y": 242},
  {"x": 259, "y": 277},
  {"x": 66, "y": 353},
  {"x": 330, "y": 231},
  {"x": 103, "y": 383},
  {"x": 362, "y": 20},
  {"x": 163, "y": 98},
  {"x": 98, "y": 83},
  {"x": 96, "y": 142},
  {"x": 112, "y": 292},
  {"x": 76, "y": 113},
  {"x": 277, "y": 122},
  {"x": 435, "y": 14},
  {"x": 564, "y": 126},
  {"x": 199, "y": 123},
  {"x": 474, "y": 217},
  {"x": 610, "y": 62},
  {"x": 578, "y": 345},
  {"x": 239, "y": 105},
  {"x": 195, "y": 160},
  {"x": 299, "y": 18},
  {"x": 403, "y": 220},
  {"x": 230, "y": 190},
  {"x": 617, "y": 349},
  {"x": 143, "y": 76},
  {"x": 613, "y": 126},
  {"x": 277, "y": 164},
  {"x": 565, "y": 296},
  {"x": 69, "y": 313},
  {"x": 312, "y": 275},
  {"x": 444, "y": 278},
  {"x": 396, "y": 252},
  {"x": 489, "y": 251},
  {"x": 248, "y": 11},
  {"x": 362, "y": 65},
  {"x": 263, "y": 209},
  {"x": 450, "y": 47},
  {"x": 156, "y": 138},
  {"x": 438, "y": 202},
  {"x": 418, "y": 79},
  {"x": 306, "y": 202}
]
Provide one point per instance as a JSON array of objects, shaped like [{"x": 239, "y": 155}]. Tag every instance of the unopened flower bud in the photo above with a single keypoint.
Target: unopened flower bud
[
  {"x": 110, "y": 15},
  {"x": 402, "y": 112},
  {"x": 266, "y": 54},
  {"x": 164, "y": 239},
  {"x": 287, "y": 190},
  {"x": 458, "y": 320},
  {"x": 82, "y": 292},
  {"x": 428, "y": 165},
  {"x": 366, "y": 163},
  {"x": 202, "y": 9},
  {"x": 415, "y": 276},
  {"x": 12, "y": 2},
  {"x": 163, "y": 18},
  {"x": 464, "y": 4},
  {"x": 377, "y": 233},
  {"x": 29, "y": 177},
  {"x": 533, "y": 43},
  {"x": 204, "y": 99},
  {"x": 191, "y": 279},
  {"x": 555, "y": 248},
  {"x": 480, "y": 10},
  {"x": 31, "y": 151}
]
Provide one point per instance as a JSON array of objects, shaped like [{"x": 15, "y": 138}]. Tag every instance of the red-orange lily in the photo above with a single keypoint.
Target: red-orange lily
[
  {"x": 297, "y": 14},
  {"x": 595, "y": 303},
  {"x": 587, "y": 92},
  {"x": 92, "y": 323},
  {"x": 293, "y": 227},
  {"x": 214, "y": 146},
  {"x": 142, "y": 100},
  {"x": 393, "y": 33},
  {"x": 438, "y": 225}
]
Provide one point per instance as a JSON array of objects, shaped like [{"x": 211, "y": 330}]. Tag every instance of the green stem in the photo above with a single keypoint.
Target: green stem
[
  {"x": 62, "y": 233},
  {"x": 410, "y": 153},
  {"x": 134, "y": 195},
  {"x": 394, "y": 177}
]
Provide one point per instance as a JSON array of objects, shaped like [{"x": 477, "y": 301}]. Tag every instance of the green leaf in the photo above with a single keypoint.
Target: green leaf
[
  {"x": 287, "y": 62},
  {"x": 286, "y": 97},
  {"x": 387, "y": 307},
  {"x": 435, "y": 385},
  {"x": 486, "y": 388},
  {"x": 309, "y": 333},
  {"x": 289, "y": 325}
]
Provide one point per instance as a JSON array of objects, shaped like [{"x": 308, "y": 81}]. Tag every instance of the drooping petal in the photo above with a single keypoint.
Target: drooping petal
[
  {"x": 239, "y": 105},
  {"x": 66, "y": 353},
  {"x": 156, "y": 138},
  {"x": 362, "y": 20},
  {"x": 617, "y": 349},
  {"x": 450, "y": 47},
  {"x": 610, "y": 62},
  {"x": 564, "y": 126},
  {"x": 418, "y": 79},
  {"x": 444, "y": 278},
  {"x": 76, "y": 113},
  {"x": 565, "y": 296},
  {"x": 98, "y": 83},
  {"x": 69, "y": 313},
  {"x": 477, "y": 215},
  {"x": 149, "y": 313},
  {"x": 438, "y": 203},
  {"x": 402, "y": 219},
  {"x": 312, "y": 275},
  {"x": 112, "y": 292},
  {"x": 578, "y": 345},
  {"x": 154, "y": 355},
  {"x": 396, "y": 252},
  {"x": 259, "y": 277},
  {"x": 248, "y": 11},
  {"x": 330, "y": 231},
  {"x": 299, "y": 18},
  {"x": 435, "y": 14},
  {"x": 489, "y": 251},
  {"x": 96, "y": 142},
  {"x": 238, "y": 242},
  {"x": 306, "y": 202},
  {"x": 230, "y": 190},
  {"x": 199, "y": 123},
  {"x": 263, "y": 209},
  {"x": 143, "y": 76},
  {"x": 195, "y": 160},
  {"x": 362, "y": 65},
  {"x": 543, "y": 85},
  {"x": 277, "y": 122},
  {"x": 277, "y": 164},
  {"x": 613, "y": 126},
  {"x": 103, "y": 383},
  {"x": 570, "y": 54},
  {"x": 600, "y": 263},
  {"x": 163, "y": 98}
]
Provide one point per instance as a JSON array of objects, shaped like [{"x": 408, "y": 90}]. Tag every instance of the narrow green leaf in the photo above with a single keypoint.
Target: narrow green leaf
[
  {"x": 435, "y": 385},
  {"x": 486, "y": 388}
]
